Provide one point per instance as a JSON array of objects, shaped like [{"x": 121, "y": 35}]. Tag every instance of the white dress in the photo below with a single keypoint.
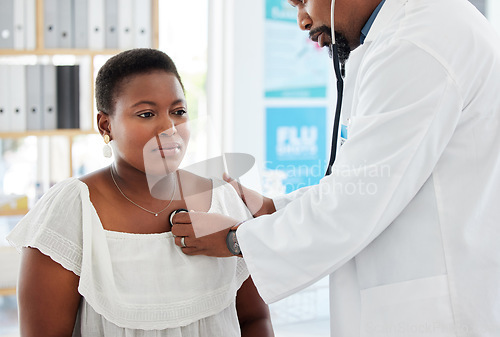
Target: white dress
[{"x": 136, "y": 284}]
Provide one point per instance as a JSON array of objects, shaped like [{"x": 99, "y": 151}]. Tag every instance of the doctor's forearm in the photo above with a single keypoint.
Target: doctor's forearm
[{"x": 268, "y": 207}]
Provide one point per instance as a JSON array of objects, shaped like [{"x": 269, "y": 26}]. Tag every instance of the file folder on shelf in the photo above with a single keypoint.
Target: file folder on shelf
[
  {"x": 86, "y": 115},
  {"x": 7, "y": 24},
  {"x": 64, "y": 24},
  {"x": 51, "y": 27},
  {"x": 80, "y": 20},
  {"x": 68, "y": 86},
  {"x": 34, "y": 97},
  {"x": 126, "y": 25},
  {"x": 19, "y": 21},
  {"x": 18, "y": 98},
  {"x": 49, "y": 97},
  {"x": 96, "y": 24},
  {"x": 30, "y": 24},
  {"x": 76, "y": 96},
  {"x": 142, "y": 22},
  {"x": 111, "y": 23},
  {"x": 5, "y": 109}
]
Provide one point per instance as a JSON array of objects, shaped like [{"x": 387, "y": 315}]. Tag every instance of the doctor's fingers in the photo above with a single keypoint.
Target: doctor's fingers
[
  {"x": 192, "y": 251},
  {"x": 183, "y": 229},
  {"x": 182, "y": 218},
  {"x": 188, "y": 245}
]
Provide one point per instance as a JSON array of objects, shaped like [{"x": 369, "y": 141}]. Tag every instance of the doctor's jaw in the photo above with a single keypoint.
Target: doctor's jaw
[
  {"x": 342, "y": 46},
  {"x": 323, "y": 36}
]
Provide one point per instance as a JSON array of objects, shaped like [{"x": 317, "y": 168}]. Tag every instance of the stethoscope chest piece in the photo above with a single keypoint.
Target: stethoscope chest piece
[{"x": 180, "y": 210}]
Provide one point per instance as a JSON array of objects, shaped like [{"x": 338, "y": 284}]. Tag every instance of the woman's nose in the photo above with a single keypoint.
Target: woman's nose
[
  {"x": 169, "y": 132},
  {"x": 167, "y": 128}
]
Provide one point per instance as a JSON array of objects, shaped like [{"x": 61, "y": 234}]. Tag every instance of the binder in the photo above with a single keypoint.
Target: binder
[
  {"x": 80, "y": 26},
  {"x": 34, "y": 97},
  {"x": 51, "y": 28},
  {"x": 111, "y": 22},
  {"x": 75, "y": 77},
  {"x": 30, "y": 24},
  {"x": 68, "y": 109},
  {"x": 5, "y": 109},
  {"x": 96, "y": 24},
  {"x": 49, "y": 98},
  {"x": 125, "y": 25},
  {"x": 18, "y": 98},
  {"x": 142, "y": 23},
  {"x": 65, "y": 24},
  {"x": 7, "y": 24},
  {"x": 63, "y": 78},
  {"x": 19, "y": 21},
  {"x": 86, "y": 116}
]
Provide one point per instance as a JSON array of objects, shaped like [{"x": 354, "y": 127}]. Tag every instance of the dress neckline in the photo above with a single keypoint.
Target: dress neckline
[{"x": 119, "y": 234}]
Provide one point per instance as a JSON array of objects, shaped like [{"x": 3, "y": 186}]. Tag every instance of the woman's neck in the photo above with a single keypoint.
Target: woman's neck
[{"x": 139, "y": 185}]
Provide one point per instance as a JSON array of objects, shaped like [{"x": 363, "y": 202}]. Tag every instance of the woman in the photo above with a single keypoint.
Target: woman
[{"x": 98, "y": 256}]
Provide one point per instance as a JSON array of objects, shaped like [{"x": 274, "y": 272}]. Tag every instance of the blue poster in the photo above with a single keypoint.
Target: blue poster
[
  {"x": 296, "y": 144},
  {"x": 295, "y": 66}
]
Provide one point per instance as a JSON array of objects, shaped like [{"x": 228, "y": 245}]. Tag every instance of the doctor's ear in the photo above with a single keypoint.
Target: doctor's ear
[{"x": 103, "y": 123}]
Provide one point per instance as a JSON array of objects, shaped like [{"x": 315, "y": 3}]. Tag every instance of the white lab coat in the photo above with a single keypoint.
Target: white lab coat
[{"x": 408, "y": 224}]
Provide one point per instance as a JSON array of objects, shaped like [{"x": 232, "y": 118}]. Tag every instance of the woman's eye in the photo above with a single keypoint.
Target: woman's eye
[
  {"x": 146, "y": 114},
  {"x": 180, "y": 112}
]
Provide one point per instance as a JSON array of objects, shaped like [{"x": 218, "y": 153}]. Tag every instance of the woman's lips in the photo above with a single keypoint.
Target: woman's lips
[{"x": 168, "y": 150}]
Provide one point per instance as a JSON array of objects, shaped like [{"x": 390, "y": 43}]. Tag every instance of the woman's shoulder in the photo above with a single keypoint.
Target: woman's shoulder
[
  {"x": 95, "y": 178},
  {"x": 63, "y": 190},
  {"x": 98, "y": 184}
]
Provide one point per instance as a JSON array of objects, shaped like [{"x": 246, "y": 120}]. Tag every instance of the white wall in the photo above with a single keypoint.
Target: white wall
[{"x": 235, "y": 72}]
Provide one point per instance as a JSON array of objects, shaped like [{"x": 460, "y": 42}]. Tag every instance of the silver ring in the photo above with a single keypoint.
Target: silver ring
[{"x": 183, "y": 243}]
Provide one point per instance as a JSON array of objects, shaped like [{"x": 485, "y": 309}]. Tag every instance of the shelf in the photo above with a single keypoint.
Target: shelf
[
  {"x": 68, "y": 51},
  {"x": 14, "y": 212},
  {"x": 39, "y": 133},
  {"x": 7, "y": 291}
]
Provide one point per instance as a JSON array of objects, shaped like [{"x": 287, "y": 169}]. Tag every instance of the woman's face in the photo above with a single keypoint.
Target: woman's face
[{"x": 149, "y": 127}]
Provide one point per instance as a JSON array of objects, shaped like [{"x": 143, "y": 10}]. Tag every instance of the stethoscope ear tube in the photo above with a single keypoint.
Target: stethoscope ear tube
[
  {"x": 338, "y": 108},
  {"x": 340, "y": 90}
]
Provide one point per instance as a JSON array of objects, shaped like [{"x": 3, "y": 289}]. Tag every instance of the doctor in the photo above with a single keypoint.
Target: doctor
[{"x": 407, "y": 225}]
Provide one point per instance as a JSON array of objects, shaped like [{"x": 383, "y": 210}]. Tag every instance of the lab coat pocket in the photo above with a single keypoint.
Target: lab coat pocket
[{"x": 412, "y": 308}]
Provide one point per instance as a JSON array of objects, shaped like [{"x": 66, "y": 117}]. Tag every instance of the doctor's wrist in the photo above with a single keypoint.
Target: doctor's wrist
[
  {"x": 232, "y": 241},
  {"x": 268, "y": 207}
]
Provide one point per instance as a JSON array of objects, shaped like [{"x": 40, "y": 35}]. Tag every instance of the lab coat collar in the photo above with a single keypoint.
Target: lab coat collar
[{"x": 388, "y": 10}]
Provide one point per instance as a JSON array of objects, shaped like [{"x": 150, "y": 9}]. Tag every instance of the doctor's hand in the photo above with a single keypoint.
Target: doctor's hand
[
  {"x": 255, "y": 202},
  {"x": 199, "y": 233}
]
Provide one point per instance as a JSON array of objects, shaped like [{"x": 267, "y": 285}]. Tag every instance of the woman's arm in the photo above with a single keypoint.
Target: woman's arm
[
  {"x": 48, "y": 296},
  {"x": 253, "y": 313}
]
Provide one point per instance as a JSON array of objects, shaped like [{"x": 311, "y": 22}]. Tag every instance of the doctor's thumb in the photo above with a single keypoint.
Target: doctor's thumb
[{"x": 226, "y": 177}]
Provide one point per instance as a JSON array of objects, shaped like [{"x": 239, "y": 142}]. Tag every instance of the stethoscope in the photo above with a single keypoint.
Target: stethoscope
[
  {"x": 339, "y": 74},
  {"x": 180, "y": 210}
]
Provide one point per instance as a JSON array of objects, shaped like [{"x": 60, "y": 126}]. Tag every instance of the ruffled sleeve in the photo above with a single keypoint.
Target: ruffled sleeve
[{"x": 54, "y": 225}]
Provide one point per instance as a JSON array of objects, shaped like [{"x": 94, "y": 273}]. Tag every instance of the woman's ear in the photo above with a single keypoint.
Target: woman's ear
[{"x": 103, "y": 123}]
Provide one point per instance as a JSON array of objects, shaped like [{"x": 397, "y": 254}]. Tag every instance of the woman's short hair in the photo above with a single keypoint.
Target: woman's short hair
[{"x": 125, "y": 64}]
